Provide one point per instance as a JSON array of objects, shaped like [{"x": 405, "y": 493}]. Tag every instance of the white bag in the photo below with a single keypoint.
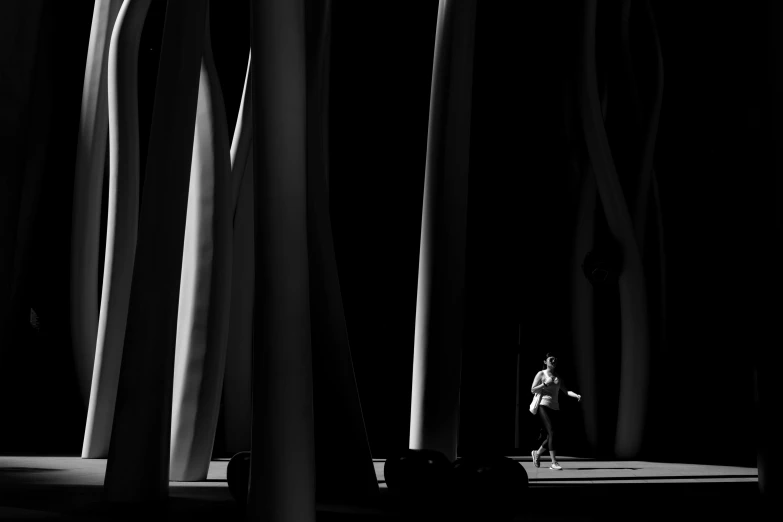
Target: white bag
[{"x": 534, "y": 404}]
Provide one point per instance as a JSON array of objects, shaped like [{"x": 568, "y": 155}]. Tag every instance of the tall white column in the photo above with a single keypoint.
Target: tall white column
[
  {"x": 344, "y": 468},
  {"x": 87, "y": 192},
  {"x": 121, "y": 224},
  {"x": 582, "y": 304},
  {"x": 440, "y": 302},
  {"x": 582, "y": 293},
  {"x": 237, "y": 394},
  {"x": 634, "y": 376},
  {"x": 282, "y": 467},
  {"x": 138, "y": 465},
  {"x": 204, "y": 296}
]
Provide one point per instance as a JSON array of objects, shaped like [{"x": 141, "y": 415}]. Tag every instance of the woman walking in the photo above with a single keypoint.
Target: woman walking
[{"x": 549, "y": 385}]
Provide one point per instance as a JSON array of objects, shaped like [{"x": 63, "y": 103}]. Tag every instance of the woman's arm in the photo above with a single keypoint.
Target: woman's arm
[
  {"x": 569, "y": 392},
  {"x": 537, "y": 383}
]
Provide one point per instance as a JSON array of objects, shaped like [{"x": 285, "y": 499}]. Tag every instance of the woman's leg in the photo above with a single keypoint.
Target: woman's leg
[{"x": 547, "y": 422}]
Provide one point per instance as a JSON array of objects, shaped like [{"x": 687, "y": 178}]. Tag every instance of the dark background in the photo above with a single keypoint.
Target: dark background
[{"x": 714, "y": 192}]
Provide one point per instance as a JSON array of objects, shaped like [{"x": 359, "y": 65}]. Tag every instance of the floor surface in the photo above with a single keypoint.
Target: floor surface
[{"x": 69, "y": 488}]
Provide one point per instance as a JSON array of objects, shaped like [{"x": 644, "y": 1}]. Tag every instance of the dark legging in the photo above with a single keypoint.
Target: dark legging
[{"x": 549, "y": 419}]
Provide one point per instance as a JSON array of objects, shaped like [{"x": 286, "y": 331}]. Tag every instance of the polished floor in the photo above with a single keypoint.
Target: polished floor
[{"x": 69, "y": 488}]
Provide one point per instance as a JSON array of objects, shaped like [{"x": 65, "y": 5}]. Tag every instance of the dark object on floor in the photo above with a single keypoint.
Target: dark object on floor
[
  {"x": 417, "y": 473},
  {"x": 488, "y": 485},
  {"x": 238, "y": 476}
]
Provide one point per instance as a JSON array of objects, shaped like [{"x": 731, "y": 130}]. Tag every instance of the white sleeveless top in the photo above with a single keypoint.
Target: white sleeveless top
[{"x": 549, "y": 395}]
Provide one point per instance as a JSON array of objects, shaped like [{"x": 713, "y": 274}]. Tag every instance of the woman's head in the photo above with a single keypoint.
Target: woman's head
[{"x": 550, "y": 361}]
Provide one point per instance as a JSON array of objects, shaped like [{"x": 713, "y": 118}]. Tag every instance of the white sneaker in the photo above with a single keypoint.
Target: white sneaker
[
  {"x": 535, "y": 458},
  {"x": 555, "y": 466}
]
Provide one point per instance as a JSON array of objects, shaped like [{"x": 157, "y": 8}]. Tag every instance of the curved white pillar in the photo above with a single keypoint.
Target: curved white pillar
[
  {"x": 237, "y": 392},
  {"x": 137, "y": 469},
  {"x": 282, "y": 467},
  {"x": 440, "y": 302},
  {"x": 634, "y": 376},
  {"x": 87, "y": 192},
  {"x": 582, "y": 305},
  {"x": 121, "y": 224},
  {"x": 205, "y": 285},
  {"x": 582, "y": 292},
  {"x": 344, "y": 469}
]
